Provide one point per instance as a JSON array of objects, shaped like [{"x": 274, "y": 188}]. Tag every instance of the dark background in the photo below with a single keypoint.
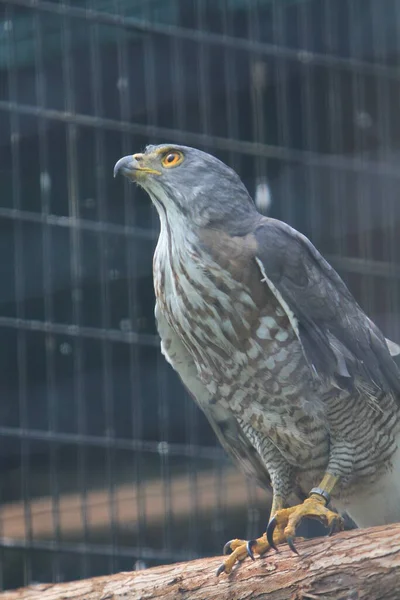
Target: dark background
[{"x": 105, "y": 463}]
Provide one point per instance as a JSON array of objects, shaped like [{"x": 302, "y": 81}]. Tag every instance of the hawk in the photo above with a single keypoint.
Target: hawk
[{"x": 297, "y": 382}]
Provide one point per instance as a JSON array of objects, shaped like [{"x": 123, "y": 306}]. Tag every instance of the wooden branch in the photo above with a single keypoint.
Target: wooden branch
[{"x": 354, "y": 565}]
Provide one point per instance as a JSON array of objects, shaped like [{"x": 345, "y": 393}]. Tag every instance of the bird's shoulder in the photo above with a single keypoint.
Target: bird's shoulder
[
  {"x": 291, "y": 255},
  {"x": 235, "y": 257}
]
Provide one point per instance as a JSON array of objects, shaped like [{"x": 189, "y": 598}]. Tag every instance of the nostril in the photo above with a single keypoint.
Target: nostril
[{"x": 138, "y": 157}]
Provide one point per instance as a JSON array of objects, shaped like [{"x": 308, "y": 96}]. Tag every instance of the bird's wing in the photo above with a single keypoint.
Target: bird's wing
[
  {"x": 227, "y": 429},
  {"x": 338, "y": 339}
]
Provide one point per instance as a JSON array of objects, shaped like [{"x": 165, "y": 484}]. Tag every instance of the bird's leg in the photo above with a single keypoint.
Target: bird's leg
[
  {"x": 284, "y": 522},
  {"x": 281, "y": 475},
  {"x": 232, "y": 545},
  {"x": 240, "y": 549},
  {"x": 315, "y": 506}
]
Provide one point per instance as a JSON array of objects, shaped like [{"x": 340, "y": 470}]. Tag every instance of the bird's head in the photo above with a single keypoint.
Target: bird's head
[{"x": 191, "y": 184}]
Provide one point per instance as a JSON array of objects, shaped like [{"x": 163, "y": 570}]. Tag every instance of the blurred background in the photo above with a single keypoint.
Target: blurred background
[{"x": 105, "y": 463}]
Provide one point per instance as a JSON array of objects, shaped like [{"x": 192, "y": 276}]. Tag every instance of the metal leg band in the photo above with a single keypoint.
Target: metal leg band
[{"x": 320, "y": 492}]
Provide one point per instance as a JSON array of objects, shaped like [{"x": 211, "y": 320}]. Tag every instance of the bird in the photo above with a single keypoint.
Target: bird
[{"x": 299, "y": 385}]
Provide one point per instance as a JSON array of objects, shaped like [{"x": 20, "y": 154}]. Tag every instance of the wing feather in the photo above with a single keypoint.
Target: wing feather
[{"x": 338, "y": 339}]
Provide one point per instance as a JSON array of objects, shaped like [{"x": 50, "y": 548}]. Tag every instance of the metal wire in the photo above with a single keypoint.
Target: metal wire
[
  {"x": 174, "y": 449},
  {"x": 20, "y": 313},
  {"x": 351, "y": 63},
  {"x": 250, "y": 148}
]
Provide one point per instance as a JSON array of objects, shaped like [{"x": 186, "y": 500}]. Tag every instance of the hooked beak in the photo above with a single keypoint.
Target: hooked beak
[{"x": 131, "y": 168}]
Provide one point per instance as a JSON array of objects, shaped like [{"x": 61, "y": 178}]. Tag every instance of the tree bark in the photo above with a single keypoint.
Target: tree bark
[{"x": 354, "y": 565}]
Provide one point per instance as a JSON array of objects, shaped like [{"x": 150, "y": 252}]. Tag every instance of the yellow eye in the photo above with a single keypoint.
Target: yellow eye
[{"x": 172, "y": 159}]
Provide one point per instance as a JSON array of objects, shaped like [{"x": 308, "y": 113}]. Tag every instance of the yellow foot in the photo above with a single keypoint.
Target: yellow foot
[
  {"x": 285, "y": 521},
  {"x": 240, "y": 549}
]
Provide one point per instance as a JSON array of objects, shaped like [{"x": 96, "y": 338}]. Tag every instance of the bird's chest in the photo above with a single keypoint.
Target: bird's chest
[
  {"x": 197, "y": 299},
  {"x": 240, "y": 350}
]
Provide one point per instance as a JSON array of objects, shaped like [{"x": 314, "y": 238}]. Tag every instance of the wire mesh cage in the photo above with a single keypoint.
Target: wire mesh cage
[{"x": 105, "y": 463}]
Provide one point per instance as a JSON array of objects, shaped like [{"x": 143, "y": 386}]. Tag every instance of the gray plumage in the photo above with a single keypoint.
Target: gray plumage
[{"x": 292, "y": 375}]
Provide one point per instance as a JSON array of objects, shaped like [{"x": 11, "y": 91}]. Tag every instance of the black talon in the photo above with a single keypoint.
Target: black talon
[
  {"x": 270, "y": 533},
  {"x": 221, "y": 569},
  {"x": 290, "y": 542},
  {"x": 227, "y": 548},
  {"x": 249, "y": 548},
  {"x": 333, "y": 528}
]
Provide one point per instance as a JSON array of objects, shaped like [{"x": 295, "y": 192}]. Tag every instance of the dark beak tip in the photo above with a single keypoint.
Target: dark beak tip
[{"x": 125, "y": 161}]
